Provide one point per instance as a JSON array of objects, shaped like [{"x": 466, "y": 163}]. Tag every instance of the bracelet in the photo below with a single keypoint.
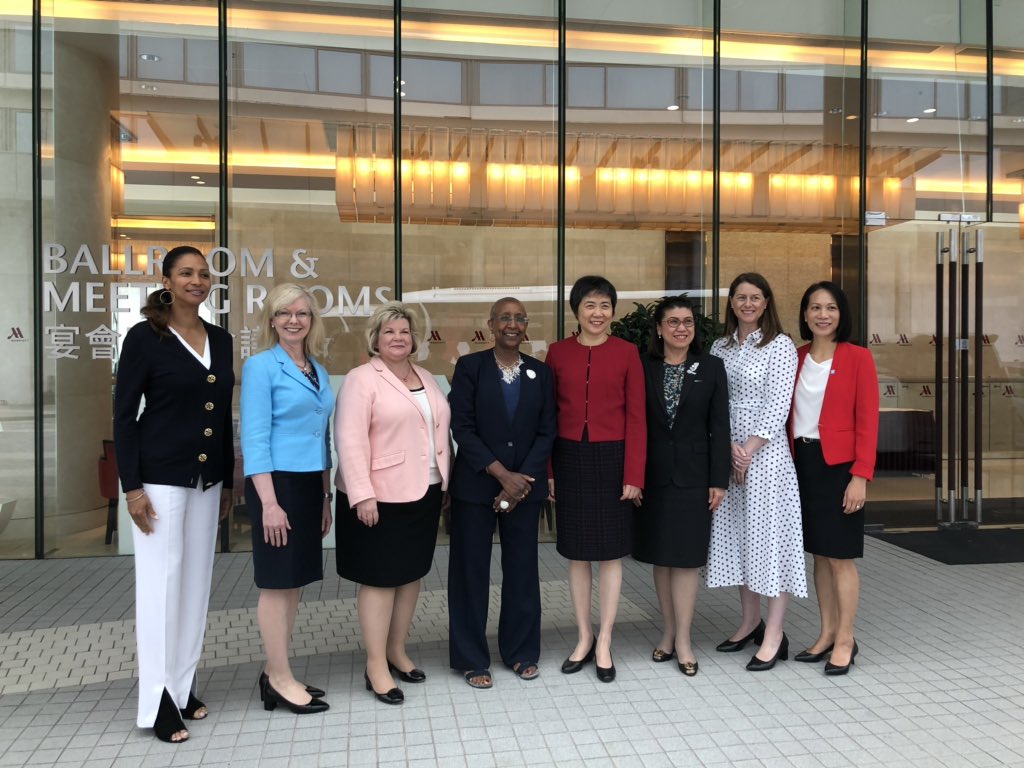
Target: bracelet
[
  {"x": 328, "y": 496},
  {"x": 129, "y": 501}
]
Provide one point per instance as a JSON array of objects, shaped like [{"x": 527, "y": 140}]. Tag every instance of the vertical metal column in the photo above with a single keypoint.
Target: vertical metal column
[
  {"x": 941, "y": 249},
  {"x": 954, "y": 242},
  {"x": 396, "y": 143},
  {"x": 963, "y": 383},
  {"x": 563, "y": 79},
  {"x": 979, "y": 366},
  {"x": 39, "y": 464}
]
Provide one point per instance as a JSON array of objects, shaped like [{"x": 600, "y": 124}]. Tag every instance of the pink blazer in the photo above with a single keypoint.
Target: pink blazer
[{"x": 382, "y": 436}]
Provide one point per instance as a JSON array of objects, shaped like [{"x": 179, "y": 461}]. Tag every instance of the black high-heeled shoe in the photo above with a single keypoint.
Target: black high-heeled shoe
[
  {"x": 842, "y": 669},
  {"x": 732, "y": 646},
  {"x": 605, "y": 674},
  {"x": 412, "y": 676},
  {"x": 814, "y": 658},
  {"x": 168, "y": 720},
  {"x": 190, "y": 710},
  {"x": 571, "y": 666},
  {"x": 272, "y": 698},
  {"x": 760, "y": 665},
  {"x": 316, "y": 693},
  {"x": 394, "y": 696}
]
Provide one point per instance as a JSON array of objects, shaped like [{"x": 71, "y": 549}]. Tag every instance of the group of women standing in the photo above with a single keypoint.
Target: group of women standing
[{"x": 681, "y": 458}]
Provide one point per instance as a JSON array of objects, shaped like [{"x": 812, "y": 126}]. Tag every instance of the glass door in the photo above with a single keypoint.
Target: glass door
[{"x": 949, "y": 449}]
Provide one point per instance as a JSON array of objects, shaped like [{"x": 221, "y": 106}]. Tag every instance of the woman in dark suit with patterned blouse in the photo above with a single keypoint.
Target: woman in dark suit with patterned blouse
[
  {"x": 176, "y": 461},
  {"x": 687, "y": 470}
]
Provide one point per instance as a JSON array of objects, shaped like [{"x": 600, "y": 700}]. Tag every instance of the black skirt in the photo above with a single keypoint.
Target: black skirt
[
  {"x": 673, "y": 527},
  {"x": 398, "y": 550},
  {"x": 300, "y": 561},
  {"x": 828, "y": 531},
  {"x": 591, "y": 522}
]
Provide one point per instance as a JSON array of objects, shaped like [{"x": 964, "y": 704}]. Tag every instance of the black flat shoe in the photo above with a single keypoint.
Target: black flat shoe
[
  {"x": 272, "y": 698},
  {"x": 412, "y": 676},
  {"x": 605, "y": 674},
  {"x": 813, "y": 658},
  {"x": 658, "y": 656},
  {"x": 168, "y": 720},
  {"x": 191, "y": 709},
  {"x": 570, "y": 666},
  {"x": 316, "y": 693},
  {"x": 837, "y": 669},
  {"x": 689, "y": 668},
  {"x": 759, "y": 665},
  {"x": 394, "y": 696},
  {"x": 731, "y": 646}
]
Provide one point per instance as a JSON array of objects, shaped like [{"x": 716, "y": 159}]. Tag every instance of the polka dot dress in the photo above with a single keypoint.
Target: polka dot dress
[{"x": 756, "y": 533}]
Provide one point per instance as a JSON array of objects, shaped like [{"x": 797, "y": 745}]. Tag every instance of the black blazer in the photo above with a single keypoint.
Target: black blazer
[
  {"x": 185, "y": 430},
  {"x": 695, "y": 452},
  {"x": 483, "y": 431}
]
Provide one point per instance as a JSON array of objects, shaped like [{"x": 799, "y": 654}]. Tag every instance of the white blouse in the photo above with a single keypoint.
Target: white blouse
[
  {"x": 810, "y": 394},
  {"x": 424, "y": 403}
]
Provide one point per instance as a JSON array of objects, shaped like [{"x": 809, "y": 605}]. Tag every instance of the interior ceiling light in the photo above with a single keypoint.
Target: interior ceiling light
[
  {"x": 836, "y": 111},
  {"x": 913, "y": 119},
  {"x": 200, "y": 182},
  {"x": 930, "y": 111},
  {"x": 672, "y": 107},
  {"x": 195, "y": 178},
  {"x": 149, "y": 57},
  {"x": 851, "y": 117},
  {"x": 147, "y": 87}
]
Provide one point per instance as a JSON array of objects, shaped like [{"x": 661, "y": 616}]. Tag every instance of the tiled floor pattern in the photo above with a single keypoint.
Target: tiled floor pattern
[{"x": 939, "y": 682}]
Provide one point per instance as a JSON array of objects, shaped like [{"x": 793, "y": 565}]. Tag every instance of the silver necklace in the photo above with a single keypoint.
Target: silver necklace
[{"x": 509, "y": 373}]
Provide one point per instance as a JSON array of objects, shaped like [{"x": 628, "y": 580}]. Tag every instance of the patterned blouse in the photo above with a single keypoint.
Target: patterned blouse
[{"x": 672, "y": 383}]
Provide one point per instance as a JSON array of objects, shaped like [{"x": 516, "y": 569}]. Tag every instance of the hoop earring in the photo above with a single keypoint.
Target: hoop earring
[{"x": 166, "y": 297}]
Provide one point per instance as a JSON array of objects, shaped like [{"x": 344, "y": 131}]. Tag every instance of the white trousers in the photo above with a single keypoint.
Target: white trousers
[{"x": 173, "y": 570}]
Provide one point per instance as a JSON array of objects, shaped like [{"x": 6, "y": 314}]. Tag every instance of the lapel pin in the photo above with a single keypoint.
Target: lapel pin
[{"x": 531, "y": 374}]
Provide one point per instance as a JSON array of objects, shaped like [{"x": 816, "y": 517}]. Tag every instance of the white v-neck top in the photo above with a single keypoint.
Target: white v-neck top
[
  {"x": 203, "y": 358},
  {"x": 810, "y": 394}
]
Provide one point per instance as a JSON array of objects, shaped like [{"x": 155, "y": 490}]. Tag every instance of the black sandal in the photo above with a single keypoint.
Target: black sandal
[
  {"x": 526, "y": 670},
  {"x": 192, "y": 707},
  {"x": 168, "y": 721}
]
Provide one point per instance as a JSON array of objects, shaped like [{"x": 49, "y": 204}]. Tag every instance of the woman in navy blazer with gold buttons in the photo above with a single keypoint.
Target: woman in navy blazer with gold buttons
[
  {"x": 176, "y": 461},
  {"x": 834, "y": 428},
  {"x": 286, "y": 444},
  {"x": 504, "y": 423}
]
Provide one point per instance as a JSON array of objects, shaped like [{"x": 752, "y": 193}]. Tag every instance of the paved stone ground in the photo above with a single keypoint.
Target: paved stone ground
[{"x": 939, "y": 681}]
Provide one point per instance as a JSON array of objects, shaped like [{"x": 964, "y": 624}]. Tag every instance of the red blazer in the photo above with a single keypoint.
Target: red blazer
[
  {"x": 848, "y": 424},
  {"x": 612, "y": 407}
]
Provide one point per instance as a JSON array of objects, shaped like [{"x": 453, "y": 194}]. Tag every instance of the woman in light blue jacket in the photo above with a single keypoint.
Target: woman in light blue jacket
[{"x": 286, "y": 445}]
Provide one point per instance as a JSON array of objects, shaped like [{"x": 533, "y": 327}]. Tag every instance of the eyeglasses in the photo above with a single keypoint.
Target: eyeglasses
[
  {"x": 675, "y": 322},
  {"x": 517, "y": 319},
  {"x": 284, "y": 314},
  {"x": 743, "y": 298}
]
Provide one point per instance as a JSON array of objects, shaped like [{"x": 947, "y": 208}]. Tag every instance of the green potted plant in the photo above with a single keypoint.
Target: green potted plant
[{"x": 638, "y": 325}]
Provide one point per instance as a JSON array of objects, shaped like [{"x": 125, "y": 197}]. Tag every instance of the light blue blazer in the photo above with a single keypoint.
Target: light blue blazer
[{"x": 284, "y": 419}]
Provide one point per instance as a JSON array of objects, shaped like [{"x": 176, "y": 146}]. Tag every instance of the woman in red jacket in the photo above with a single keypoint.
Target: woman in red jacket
[
  {"x": 834, "y": 427},
  {"x": 598, "y": 462}
]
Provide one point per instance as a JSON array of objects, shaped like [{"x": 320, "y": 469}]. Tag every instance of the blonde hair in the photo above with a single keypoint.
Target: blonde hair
[
  {"x": 284, "y": 295},
  {"x": 385, "y": 313}
]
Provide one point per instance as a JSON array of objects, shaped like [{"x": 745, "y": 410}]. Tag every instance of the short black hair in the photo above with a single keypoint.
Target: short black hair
[
  {"x": 656, "y": 348},
  {"x": 587, "y": 285},
  {"x": 845, "y": 327}
]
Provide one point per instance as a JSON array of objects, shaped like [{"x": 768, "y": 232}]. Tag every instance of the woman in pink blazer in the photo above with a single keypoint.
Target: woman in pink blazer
[
  {"x": 834, "y": 429},
  {"x": 391, "y": 429}
]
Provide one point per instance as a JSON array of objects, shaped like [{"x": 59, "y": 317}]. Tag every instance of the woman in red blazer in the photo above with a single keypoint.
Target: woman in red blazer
[{"x": 834, "y": 428}]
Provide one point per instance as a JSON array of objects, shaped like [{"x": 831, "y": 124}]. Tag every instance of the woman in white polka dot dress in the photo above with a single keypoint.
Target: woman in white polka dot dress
[{"x": 756, "y": 534}]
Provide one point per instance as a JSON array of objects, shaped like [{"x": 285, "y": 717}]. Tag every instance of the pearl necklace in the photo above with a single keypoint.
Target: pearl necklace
[{"x": 509, "y": 373}]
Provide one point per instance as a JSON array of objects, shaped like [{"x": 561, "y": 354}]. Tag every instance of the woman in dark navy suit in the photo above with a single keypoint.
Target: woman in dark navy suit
[
  {"x": 503, "y": 421},
  {"x": 687, "y": 470}
]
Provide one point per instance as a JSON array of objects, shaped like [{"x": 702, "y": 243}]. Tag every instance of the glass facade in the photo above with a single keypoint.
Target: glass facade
[{"x": 449, "y": 152}]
